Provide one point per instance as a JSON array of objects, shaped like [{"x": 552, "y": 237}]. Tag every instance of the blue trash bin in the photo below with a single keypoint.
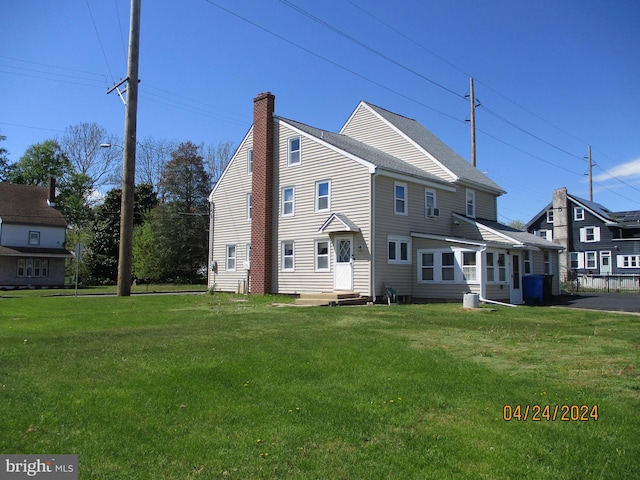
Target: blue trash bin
[{"x": 533, "y": 288}]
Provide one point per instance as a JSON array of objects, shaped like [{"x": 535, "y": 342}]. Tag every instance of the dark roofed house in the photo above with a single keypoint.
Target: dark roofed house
[
  {"x": 32, "y": 237},
  {"x": 598, "y": 243}
]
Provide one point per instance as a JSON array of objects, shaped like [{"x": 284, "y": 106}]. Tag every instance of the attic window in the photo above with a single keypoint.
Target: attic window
[
  {"x": 34, "y": 238},
  {"x": 471, "y": 203},
  {"x": 294, "y": 151}
]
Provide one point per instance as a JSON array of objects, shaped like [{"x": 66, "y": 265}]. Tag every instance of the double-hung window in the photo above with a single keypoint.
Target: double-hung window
[
  {"x": 322, "y": 255},
  {"x": 34, "y": 238},
  {"x": 591, "y": 259},
  {"x": 400, "y": 206},
  {"x": 470, "y": 203},
  {"x": 250, "y": 161},
  {"x": 576, "y": 260},
  {"x": 590, "y": 234},
  {"x": 399, "y": 249},
  {"x": 287, "y": 256},
  {"x": 550, "y": 216},
  {"x": 469, "y": 266},
  {"x": 323, "y": 196},
  {"x": 578, "y": 214},
  {"x": 491, "y": 268},
  {"x": 231, "y": 257},
  {"x": 249, "y": 205},
  {"x": 288, "y": 199},
  {"x": 294, "y": 151}
]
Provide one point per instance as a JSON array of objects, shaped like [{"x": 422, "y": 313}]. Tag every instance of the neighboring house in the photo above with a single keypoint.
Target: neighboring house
[
  {"x": 383, "y": 203},
  {"x": 32, "y": 237},
  {"x": 596, "y": 241}
]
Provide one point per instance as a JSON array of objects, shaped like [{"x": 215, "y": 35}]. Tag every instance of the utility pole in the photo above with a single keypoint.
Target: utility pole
[
  {"x": 590, "y": 175},
  {"x": 125, "y": 258},
  {"x": 473, "y": 122}
]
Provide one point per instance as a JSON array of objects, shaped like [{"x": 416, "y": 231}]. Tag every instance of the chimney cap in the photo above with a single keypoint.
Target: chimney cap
[{"x": 263, "y": 95}]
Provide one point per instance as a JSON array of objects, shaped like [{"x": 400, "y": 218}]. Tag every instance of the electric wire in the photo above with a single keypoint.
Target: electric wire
[{"x": 104, "y": 53}]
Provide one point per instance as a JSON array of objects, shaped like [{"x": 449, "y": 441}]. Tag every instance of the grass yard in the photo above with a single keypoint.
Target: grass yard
[{"x": 201, "y": 386}]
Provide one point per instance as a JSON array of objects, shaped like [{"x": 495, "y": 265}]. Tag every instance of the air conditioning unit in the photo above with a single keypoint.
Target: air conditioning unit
[{"x": 433, "y": 212}]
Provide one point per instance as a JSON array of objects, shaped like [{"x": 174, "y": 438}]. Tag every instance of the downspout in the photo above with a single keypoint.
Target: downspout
[{"x": 372, "y": 270}]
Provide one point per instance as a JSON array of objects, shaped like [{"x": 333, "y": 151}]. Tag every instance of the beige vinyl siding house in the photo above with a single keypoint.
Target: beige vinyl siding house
[{"x": 382, "y": 204}]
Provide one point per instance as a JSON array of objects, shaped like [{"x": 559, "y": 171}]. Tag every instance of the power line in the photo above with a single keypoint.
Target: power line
[
  {"x": 317, "y": 55},
  {"x": 367, "y": 47},
  {"x": 95, "y": 27}
]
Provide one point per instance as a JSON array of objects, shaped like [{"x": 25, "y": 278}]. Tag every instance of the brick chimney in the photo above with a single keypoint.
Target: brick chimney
[
  {"x": 52, "y": 192},
  {"x": 262, "y": 194}
]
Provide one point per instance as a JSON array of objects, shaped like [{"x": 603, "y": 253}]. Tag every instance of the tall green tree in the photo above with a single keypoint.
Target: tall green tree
[
  {"x": 39, "y": 163},
  {"x": 102, "y": 252},
  {"x": 179, "y": 227},
  {"x": 4, "y": 162}
]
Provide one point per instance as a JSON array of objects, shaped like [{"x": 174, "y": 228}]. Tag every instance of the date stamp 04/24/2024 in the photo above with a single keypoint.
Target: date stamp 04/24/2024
[{"x": 548, "y": 413}]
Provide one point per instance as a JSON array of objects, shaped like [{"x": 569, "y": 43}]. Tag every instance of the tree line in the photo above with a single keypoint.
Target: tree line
[{"x": 171, "y": 212}]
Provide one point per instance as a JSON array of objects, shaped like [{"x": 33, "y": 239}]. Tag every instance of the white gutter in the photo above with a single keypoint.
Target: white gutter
[
  {"x": 495, "y": 302},
  {"x": 372, "y": 232}
]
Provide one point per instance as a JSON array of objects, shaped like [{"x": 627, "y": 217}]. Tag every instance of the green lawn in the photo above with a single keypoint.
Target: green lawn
[{"x": 202, "y": 386}]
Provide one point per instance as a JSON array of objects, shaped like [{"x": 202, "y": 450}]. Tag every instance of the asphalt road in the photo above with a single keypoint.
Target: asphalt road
[{"x": 614, "y": 302}]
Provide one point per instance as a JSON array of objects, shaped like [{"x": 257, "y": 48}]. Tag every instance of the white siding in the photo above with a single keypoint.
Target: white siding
[
  {"x": 230, "y": 224},
  {"x": 366, "y": 127},
  {"x": 350, "y": 195}
]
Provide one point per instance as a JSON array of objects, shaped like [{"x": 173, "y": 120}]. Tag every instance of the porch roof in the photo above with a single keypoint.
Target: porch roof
[{"x": 342, "y": 222}]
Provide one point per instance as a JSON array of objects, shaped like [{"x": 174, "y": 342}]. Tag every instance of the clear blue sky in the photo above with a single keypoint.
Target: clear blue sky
[{"x": 553, "y": 76}]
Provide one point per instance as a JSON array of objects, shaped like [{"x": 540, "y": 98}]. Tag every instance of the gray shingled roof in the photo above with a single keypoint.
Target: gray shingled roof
[
  {"x": 27, "y": 205},
  {"x": 365, "y": 152},
  {"x": 519, "y": 235},
  {"x": 437, "y": 148}
]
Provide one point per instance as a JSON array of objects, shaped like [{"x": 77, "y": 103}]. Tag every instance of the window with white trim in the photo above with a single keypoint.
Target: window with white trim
[
  {"x": 294, "y": 156},
  {"x": 470, "y": 266},
  {"x": 448, "y": 266},
  {"x": 399, "y": 249},
  {"x": 491, "y": 268},
  {"x": 288, "y": 199},
  {"x": 323, "y": 196},
  {"x": 250, "y": 161},
  {"x": 34, "y": 238},
  {"x": 248, "y": 254},
  {"x": 21, "y": 267},
  {"x": 576, "y": 260},
  {"x": 589, "y": 234},
  {"x": 502, "y": 267},
  {"x": 322, "y": 256},
  {"x": 400, "y": 198},
  {"x": 231, "y": 256},
  {"x": 628, "y": 261},
  {"x": 548, "y": 262},
  {"x": 528, "y": 264},
  {"x": 543, "y": 233},
  {"x": 427, "y": 267},
  {"x": 249, "y": 205},
  {"x": 430, "y": 203},
  {"x": 470, "y": 203},
  {"x": 578, "y": 214},
  {"x": 590, "y": 260},
  {"x": 33, "y": 267},
  {"x": 550, "y": 216},
  {"x": 288, "y": 263},
  {"x": 496, "y": 267}
]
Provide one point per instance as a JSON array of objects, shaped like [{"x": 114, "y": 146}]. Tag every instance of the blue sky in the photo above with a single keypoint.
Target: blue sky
[{"x": 552, "y": 78}]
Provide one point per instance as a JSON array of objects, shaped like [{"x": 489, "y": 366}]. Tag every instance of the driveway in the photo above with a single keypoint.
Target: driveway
[{"x": 615, "y": 302}]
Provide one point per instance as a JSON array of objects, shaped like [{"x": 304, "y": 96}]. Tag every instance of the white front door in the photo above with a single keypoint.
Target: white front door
[
  {"x": 515, "y": 289},
  {"x": 343, "y": 273}
]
